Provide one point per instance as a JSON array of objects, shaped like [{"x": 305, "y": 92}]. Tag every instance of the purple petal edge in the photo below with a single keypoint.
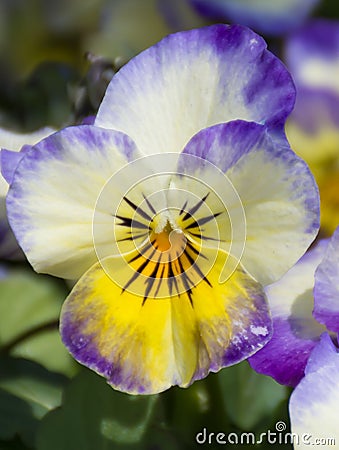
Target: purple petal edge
[
  {"x": 9, "y": 161},
  {"x": 85, "y": 352},
  {"x": 326, "y": 288},
  {"x": 285, "y": 356}
]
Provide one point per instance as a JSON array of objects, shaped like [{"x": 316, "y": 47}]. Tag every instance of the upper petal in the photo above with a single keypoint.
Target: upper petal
[
  {"x": 314, "y": 402},
  {"x": 326, "y": 288},
  {"x": 53, "y": 195},
  {"x": 194, "y": 79}
]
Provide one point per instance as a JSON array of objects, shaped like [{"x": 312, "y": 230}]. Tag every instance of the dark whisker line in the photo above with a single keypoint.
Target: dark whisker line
[
  {"x": 207, "y": 238},
  {"x": 151, "y": 280},
  {"x": 160, "y": 280},
  {"x": 146, "y": 262},
  {"x": 195, "y": 266},
  {"x": 199, "y": 222},
  {"x": 183, "y": 208},
  {"x": 186, "y": 280},
  {"x": 194, "y": 224},
  {"x": 189, "y": 257},
  {"x": 195, "y": 208},
  {"x": 138, "y": 271},
  {"x": 186, "y": 277},
  {"x": 140, "y": 255},
  {"x": 127, "y": 222},
  {"x": 138, "y": 209},
  {"x": 198, "y": 235},
  {"x": 149, "y": 204},
  {"x": 170, "y": 276},
  {"x": 132, "y": 238},
  {"x": 173, "y": 279},
  {"x": 155, "y": 270},
  {"x": 194, "y": 250},
  {"x": 181, "y": 268}
]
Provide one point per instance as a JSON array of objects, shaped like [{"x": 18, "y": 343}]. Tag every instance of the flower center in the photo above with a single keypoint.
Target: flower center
[
  {"x": 167, "y": 257},
  {"x": 166, "y": 238}
]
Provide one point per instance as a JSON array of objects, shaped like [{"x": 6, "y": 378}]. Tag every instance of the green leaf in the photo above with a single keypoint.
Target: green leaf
[
  {"x": 27, "y": 392},
  {"x": 30, "y": 301},
  {"x": 14, "y": 444},
  {"x": 249, "y": 397},
  {"x": 94, "y": 416},
  {"x": 16, "y": 417}
]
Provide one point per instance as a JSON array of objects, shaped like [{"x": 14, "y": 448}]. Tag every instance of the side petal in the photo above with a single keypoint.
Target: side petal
[
  {"x": 326, "y": 288},
  {"x": 194, "y": 79},
  {"x": 9, "y": 248},
  {"x": 314, "y": 402},
  {"x": 295, "y": 331},
  {"x": 278, "y": 194},
  {"x": 146, "y": 346},
  {"x": 53, "y": 194}
]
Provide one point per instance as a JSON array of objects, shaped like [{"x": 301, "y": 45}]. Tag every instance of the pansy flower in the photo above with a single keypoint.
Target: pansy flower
[
  {"x": 312, "y": 54},
  {"x": 314, "y": 402},
  {"x": 269, "y": 17},
  {"x": 185, "y": 172},
  {"x": 304, "y": 304},
  {"x": 13, "y": 141}
]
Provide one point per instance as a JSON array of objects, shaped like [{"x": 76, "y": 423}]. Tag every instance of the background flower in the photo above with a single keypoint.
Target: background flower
[
  {"x": 304, "y": 304},
  {"x": 313, "y": 402},
  {"x": 313, "y": 128},
  {"x": 264, "y": 16}
]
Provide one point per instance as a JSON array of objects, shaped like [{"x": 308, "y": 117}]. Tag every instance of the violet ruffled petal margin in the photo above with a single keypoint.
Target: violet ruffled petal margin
[
  {"x": 53, "y": 194},
  {"x": 314, "y": 402},
  {"x": 326, "y": 289},
  {"x": 268, "y": 17},
  {"x": 277, "y": 191},
  {"x": 192, "y": 80},
  {"x": 9, "y": 160},
  {"x": 295, "y": 331}
]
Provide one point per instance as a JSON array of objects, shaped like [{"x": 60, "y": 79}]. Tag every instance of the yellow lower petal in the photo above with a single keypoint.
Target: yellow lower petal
[{"x": 146, "y": 346}]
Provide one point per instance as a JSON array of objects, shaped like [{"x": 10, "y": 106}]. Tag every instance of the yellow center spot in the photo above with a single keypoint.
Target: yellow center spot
[
  {"x": 168, "y": 244},
  {"x": 162, "y": 239}
]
